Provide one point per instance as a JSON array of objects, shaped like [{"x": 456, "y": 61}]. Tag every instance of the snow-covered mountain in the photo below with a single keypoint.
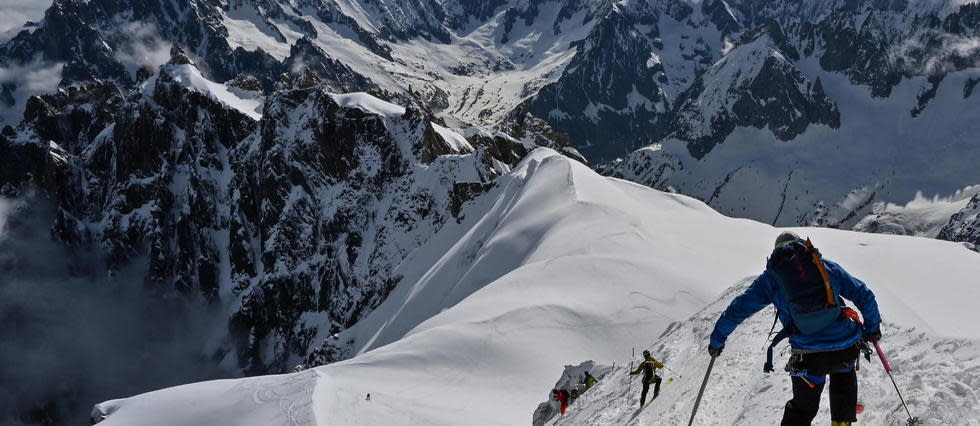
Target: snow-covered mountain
[
  {"x": 287, "y": 162},
  {"x": 290, "y": 211},
  {"x": 821, "y": 112},
  {"x": 556, "y": 265},
  {"x": 783, "y": 84}
]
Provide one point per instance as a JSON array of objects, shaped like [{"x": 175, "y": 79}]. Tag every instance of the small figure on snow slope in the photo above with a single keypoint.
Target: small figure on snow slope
[
  {"x": 648, "y": 367},
  {"x": 588, "y": 380},
  {"x": 809, "y": 294},
  {"x": 563, "y": 399}
]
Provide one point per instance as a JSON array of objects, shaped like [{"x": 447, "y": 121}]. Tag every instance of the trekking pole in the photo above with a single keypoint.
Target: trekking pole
[
  {"x": 888, "y": 369},
  {"x": 672, "y": 371},
  {"x": 629, "y": 389},
  {"x": 697, "y": 402}
]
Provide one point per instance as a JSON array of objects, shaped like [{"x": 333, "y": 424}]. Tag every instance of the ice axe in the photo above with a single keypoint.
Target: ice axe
[
  {"x": 852, "y": 314},
  {"x": 888, "y": 368}
]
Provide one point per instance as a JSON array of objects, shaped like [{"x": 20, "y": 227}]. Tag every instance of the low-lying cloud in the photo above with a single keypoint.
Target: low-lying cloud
[
  {"x": 937, "y": 52},
  {"x": 74, "y": 336},
  {"x": 22, "y": 81},
  {"x": 144, "y": 47},
  {"x": 17, "y": 12}
]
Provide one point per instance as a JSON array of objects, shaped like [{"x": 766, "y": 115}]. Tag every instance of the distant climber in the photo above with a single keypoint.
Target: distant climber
[
  {"x": 649, "y": 368},
  {"x": 589, "y": 380},
  {"x": 368, "y": 397},
  {"x": 563, "y": 399},
  {"x": 826, "y": 338}
]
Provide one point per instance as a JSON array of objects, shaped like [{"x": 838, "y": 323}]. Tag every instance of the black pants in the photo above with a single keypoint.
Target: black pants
[
  {"x": 801, "y": 410},
  {"x": 646, "y": 386}
]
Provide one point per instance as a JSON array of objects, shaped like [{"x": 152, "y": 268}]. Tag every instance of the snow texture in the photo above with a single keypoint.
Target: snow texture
[
  {"x": 557, "y": 265},
  {"x": 248, "y": 103}
]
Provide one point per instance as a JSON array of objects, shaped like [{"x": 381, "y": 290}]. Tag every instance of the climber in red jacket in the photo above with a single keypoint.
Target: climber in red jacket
[{"x": 562, "y": 397}]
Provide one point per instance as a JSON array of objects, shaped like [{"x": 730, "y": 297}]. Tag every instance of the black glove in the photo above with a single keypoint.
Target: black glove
[
  {"x": 872, "y": 335},
  {"x": 715, "y": 351}
]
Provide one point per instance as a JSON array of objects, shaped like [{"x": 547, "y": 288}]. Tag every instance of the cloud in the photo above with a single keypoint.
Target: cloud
[
  {"x": 74, "y": 336},
  {"x": 23, "y": 81},
  {"x": 144, "y": 46},
  {"x": 17, "y": 12},
  {"x": 936, "y": 52},
  {"x": 6, "y": 206}
]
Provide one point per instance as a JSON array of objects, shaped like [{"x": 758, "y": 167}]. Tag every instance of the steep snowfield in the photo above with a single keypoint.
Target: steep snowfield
[
  {"x": 939, "y": 376},
  {"x": 557, "y": 265}
]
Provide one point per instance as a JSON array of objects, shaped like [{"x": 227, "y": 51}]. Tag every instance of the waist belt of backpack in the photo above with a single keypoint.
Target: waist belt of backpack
[{"x": 788, "y": 331}]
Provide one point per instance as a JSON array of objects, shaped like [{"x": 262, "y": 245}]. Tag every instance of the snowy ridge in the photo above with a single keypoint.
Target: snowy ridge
[
  {"x": 557, "y": 265},
  {"x": 367, "y": 103},
  {"x": 187, "y": 75}
]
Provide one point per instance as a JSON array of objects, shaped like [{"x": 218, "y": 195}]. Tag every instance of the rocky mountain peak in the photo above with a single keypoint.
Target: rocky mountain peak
[{"x": 178, "y": 56}]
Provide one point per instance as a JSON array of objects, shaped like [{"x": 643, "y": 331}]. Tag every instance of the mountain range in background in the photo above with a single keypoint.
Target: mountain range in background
[{"x": 278, "y": 161}]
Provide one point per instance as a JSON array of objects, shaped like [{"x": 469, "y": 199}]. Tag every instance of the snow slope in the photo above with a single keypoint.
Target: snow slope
[
  {"x": 938, "y": 375},
  {"x": 553, "y": 266},
  {"x": 187, "y": 75}
]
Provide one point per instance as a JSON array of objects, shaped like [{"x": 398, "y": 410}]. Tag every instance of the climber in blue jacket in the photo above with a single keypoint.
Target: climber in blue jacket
[{"x": 826, "y": 337}]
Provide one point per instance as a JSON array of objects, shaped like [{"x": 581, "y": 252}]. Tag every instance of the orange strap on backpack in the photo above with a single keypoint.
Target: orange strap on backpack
[{"x": 815, "y": 255}]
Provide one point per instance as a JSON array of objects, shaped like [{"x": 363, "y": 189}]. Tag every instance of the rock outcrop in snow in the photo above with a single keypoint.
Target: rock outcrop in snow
[{"x": 964, "y": 225}]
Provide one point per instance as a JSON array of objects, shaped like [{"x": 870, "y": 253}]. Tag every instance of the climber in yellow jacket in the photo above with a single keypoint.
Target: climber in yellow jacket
[{"x": 648, "y": 367}]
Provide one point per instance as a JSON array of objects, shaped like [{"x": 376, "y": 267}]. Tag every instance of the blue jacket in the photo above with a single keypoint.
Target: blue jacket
[{"x": 838, "y": 335}]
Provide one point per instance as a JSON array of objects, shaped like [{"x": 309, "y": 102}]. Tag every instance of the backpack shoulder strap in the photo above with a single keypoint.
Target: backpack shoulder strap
[{"x": 817, "y": 260}]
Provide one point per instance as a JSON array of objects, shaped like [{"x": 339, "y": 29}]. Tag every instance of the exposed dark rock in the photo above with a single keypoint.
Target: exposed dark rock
[
  {"x": 964, "y": 226},
  {"x": 968, "y": 87},
  {"x": 608, "y": 97},
  {"x": 754, "y": 85},
  {"x": 306, "y": 57},
  {"x": 923, "y": 99}
]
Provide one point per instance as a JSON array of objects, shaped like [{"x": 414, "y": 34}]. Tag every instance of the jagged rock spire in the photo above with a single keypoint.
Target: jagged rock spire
[{"x": 178, "y": 56}]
